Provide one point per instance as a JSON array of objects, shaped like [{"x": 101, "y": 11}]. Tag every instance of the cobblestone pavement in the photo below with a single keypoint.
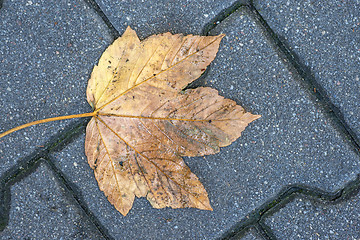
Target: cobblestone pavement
[{"x": 293, "y": 174}]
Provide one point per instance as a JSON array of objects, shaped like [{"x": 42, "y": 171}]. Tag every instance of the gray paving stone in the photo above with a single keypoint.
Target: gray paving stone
[
  {"x": 293, "y": 140},
  {"x": 143, "y": 222},
  {"x": 40, "y": 210},
  {"x": 305, "y": 219},
  {"x": 55, "y": 46},
  {"x": 250, "y": 235},
  {"x": 153, "y": 17},
  {"x": 326, "y": 36},
  {"x": 47, "y": 51},
  {"x": 291, "y": 143}
]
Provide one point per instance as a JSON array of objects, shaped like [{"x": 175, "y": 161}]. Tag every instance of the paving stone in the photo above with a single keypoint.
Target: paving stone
[
  {"x": 250, "y": 235},
  {"x": 293, "y": 140},
  {"x": 55, "y": 46},
  {"x": 39, "y": 209},
  {"x": 326, "y": 36},
  {"x": 305, "y": 219},
  {"x": 153, "y": 17},
  {"x": 142, "y": 222},
  {"x": 291, "y": 143},
  {"x": 47, "y": 52}
]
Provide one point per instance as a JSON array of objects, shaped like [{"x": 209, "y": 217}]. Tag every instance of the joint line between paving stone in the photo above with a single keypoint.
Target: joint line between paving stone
[
  {"x": 76, "y": 197},
  {"x": 28, "y": 164},
  {"x": 115, "y": 33},
  {"x": 264, "y": 231},
  {"x": 314, "y": 88},
  {"x": 286, "y": 195},
  {"x": 4, "y": 207},
  {"x": 26, "y": 168},
  {"x": 222, "y": 15},
  {"x": 13, "y": 175},
  {"x": 255, "y": 219},
  {"x": 92, "y": 4}
]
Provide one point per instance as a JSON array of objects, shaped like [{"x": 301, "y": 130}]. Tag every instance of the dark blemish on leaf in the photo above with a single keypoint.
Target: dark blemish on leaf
[
  {"x": 121, "y": 163},
  {"x": 154, "y": 74},
  {"x": 203, "y": 69},
  {"x": 143, "y": 170},
  {"x": 133, "y": 97},
  {"x": 172, "y": 85},
  {"x": 109, "y": 61},
  {"x": 210, "y": 121},
  {"x": 127, "y": 60}
]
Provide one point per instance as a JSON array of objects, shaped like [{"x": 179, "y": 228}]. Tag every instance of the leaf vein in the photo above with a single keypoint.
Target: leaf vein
[
  {"x": 155, "y": 165},
  {"x": 97, "y": 110}
]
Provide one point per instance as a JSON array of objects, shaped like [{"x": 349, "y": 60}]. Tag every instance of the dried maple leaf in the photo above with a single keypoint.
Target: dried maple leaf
[{"x": 143, "y": 123}]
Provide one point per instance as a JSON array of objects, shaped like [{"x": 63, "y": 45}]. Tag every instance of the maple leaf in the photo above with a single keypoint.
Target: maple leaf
[{"x": 144, "y": 122}]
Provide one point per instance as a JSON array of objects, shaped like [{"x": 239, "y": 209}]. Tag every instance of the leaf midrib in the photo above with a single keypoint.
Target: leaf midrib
[{"x": 165, "y": 118}]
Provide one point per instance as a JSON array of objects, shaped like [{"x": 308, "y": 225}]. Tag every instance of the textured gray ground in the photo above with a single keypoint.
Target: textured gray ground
[
  {"x": 47, "y": 53},
  {"x": 250, "y": 236},
  {"x": 305, "y": 219},
  {"x": 326, "y": 36},
  {"x": 40, "y": 209},
  {"x": 292, "y": 140},
  {"x": 153, "y": 17}
]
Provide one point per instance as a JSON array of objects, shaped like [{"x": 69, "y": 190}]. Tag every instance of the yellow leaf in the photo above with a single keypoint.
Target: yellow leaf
[{"x": 143, "y": 122}]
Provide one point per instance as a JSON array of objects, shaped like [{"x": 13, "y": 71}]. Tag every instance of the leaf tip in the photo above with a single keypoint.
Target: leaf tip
[
  {"x": 128, "y": 28},
  {"x": 256, "y": 116},
  {"x": 205, "y": 205},
  {"x": 129, "y": 32},
  {"x": 123, "y": 212}
]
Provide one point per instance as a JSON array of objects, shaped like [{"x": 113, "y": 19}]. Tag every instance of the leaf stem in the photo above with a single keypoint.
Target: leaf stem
[{"x": 47, "y": 120}]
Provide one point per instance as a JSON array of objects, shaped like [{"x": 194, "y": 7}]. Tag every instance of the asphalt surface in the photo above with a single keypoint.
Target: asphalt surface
[{"x": 293, "y": 174}]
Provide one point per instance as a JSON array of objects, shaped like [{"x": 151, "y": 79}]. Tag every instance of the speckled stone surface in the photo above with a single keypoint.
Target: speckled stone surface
[
  {"x": 47, "y": 52},
  {"x": 292, "y": 141},
  {"x": 326, "y": 37},
  {"x": 143, "y": 221},
  {"x": 46, "y": 55},
  {"x": 250, "y": 235},
  {"x": 153, "y": 17},
  {"x": 41, "y": 210},
  {"x": 305, "y": 219}
]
